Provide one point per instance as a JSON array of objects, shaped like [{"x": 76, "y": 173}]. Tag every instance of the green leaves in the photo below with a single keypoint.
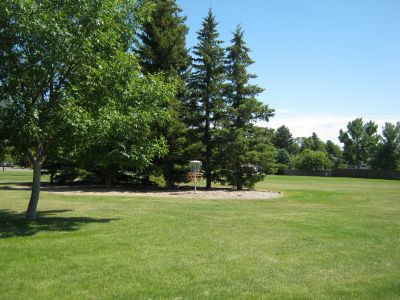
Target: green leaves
[
  {"x": 359, "y": 142},
  {"x": 313, "y": 160},
  {"x": 388, "y": 149},
  {"x": 71, "y": 86},
  {"x": 120, "y": 131}
]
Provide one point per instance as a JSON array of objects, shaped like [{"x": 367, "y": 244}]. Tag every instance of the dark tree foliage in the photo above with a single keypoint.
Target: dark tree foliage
[
  {"x": 163, "y": 40},
  {"x": 335, "y": 153},
  {"x": 3, "y": 151},
  {"x": 388, "y": 149},
  {"x": 283, "y": 139},
  {"x": 163, "y": 49},
  {"x": 243, "y": 110},
  {"x": 206, "y": 84},
  {"x": 313, "y": 143},
  {"x": 359, "y": 142},
  {"x": 283, "y": 157}
]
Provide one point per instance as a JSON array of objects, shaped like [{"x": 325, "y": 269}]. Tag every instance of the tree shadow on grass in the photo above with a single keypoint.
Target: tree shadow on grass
[
  {"x": 12, "y": 186},
  {"x": 13, "y": 224},
  {"x": 28, "y": 183}
]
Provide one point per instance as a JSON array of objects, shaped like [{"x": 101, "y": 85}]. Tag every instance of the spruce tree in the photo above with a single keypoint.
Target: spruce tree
[
  {"x": 163, "y": 40},
  {"x": 207, "y": 85},
  {"x": 247, "y": 151},
  {"x": 283, "y": 139},
  {"x": 163, "y": 49}
]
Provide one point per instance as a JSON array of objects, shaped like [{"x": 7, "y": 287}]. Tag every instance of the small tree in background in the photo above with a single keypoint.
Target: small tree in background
[
  {"x": 334, "y": 152},
  {"x": 283, "y": 160},
  {"x": 283, "y": 139},
  {"x": 388, "y": 150},
  {"x": 313, "y": 143},
  {"x": 360, "y": 141},
  {"x": 313, "y": 160},
  {"x": 283, "y": 157}
]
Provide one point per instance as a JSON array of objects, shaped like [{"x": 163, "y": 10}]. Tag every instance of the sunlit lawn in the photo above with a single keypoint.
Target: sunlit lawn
[{"x": 325, "y": 238}]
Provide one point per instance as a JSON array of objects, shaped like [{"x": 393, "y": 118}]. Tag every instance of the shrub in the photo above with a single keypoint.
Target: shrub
[{"x": 313, "y": 160}]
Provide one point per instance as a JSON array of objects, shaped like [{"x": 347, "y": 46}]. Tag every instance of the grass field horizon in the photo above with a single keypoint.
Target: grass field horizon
[{"x": 326, "y": 238}]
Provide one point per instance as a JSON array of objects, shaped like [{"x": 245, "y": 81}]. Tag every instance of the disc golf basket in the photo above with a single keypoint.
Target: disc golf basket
[{"x": 195, "y": 174}]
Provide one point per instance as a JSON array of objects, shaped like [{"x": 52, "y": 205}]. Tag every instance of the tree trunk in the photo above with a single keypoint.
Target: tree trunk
[
  {"x": 52, "y": 173},
  {"x": 239, "y": 181},
  {"x": 168, "y": 171},
  {"x": 33, "y": 202},
  {"x": 207, "y": 138},
  {"x": 108, "y": 181},
  {"x": 169, "y": 182}
]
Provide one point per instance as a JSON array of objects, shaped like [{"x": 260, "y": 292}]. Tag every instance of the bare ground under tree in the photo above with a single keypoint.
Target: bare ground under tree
[{"x": 183, "y": 192}]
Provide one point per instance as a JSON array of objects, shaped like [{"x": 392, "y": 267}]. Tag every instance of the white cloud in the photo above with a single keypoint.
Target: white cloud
[{"x": 326, "y": 125}]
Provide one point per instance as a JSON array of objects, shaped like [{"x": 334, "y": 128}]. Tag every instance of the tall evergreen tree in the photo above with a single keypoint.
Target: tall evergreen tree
[
  {"x": 243, "y": 110},
  {"x": 207, "y": 86},
  {"x": 163, "y": 49},
  {"x": 163, "y": 40}
]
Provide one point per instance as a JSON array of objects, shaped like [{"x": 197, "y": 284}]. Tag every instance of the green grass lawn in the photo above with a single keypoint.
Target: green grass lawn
[{"x": 325, "y": 238}]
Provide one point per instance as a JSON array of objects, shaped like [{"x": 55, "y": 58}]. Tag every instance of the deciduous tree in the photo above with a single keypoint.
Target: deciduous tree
[
  {"x": 313, "y": 143},
  {"x": 52, "y": 51},
  {"x": 313, "y": 160},
  {"x": 388, "y": 150},
  {"x": 334, "y": 152},
  {"x": 359, "y": 142}
]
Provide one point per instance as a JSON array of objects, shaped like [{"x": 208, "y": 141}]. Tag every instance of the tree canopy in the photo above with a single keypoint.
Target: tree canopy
[
  {"x": 283, "y": 139},
  {"x": 58, "y": 61},
  {"x": 359, "y": 141},
  {"x": 162, "y": 45},
  {"x": 388, "y": 149}
]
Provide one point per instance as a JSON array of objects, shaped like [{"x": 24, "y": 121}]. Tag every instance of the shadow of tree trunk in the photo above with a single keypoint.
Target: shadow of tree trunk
[{"x": 14, "y": 224}]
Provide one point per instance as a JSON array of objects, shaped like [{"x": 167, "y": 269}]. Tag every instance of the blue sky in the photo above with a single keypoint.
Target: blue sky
[{"x": 322, "y": 63}]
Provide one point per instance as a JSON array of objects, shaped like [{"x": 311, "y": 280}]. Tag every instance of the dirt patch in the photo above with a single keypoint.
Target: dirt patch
[
  {"x": 186, "y": 192},
  {"x": 219, "y": 194}
]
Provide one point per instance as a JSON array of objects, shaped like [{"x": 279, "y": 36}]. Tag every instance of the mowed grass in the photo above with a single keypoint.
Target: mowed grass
[{"x": 326, "y": 238}]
